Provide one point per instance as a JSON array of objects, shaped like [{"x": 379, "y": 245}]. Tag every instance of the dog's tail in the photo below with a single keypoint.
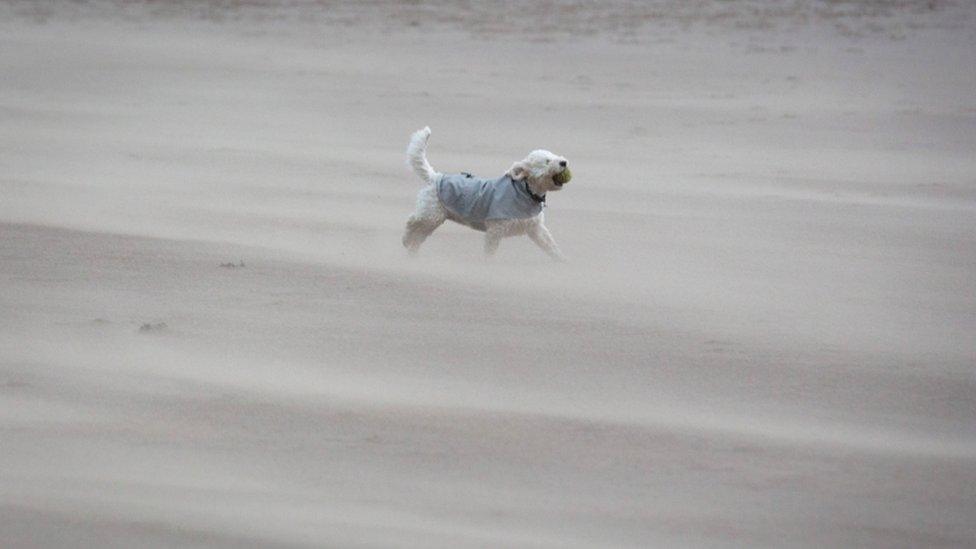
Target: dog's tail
[{"x": 417, "y": 155}]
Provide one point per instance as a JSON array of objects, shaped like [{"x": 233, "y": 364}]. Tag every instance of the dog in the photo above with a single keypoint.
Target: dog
[{"x": 510, "y": 205}]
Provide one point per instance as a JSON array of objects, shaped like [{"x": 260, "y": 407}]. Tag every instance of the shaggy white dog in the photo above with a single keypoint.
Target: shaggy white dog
[{"x": 508, "y": 206}]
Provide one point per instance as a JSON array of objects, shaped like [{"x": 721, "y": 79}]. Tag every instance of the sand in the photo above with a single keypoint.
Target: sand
[{"x": 210, "y": 335}]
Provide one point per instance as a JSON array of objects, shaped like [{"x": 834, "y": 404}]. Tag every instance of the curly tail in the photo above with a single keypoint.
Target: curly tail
[{"x": 417, "y": 155}]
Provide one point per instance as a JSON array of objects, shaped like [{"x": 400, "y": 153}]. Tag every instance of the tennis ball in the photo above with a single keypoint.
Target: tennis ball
[{"x": 563, "y": 176}]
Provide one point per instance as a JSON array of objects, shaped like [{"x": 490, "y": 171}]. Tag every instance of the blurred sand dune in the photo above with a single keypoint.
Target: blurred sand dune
[{"x": 763, "y": 337}]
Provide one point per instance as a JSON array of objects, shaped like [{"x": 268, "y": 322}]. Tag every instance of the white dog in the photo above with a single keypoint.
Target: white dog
[{"x": 508, "y": 206}]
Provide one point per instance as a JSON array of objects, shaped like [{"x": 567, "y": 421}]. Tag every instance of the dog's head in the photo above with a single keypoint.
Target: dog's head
[{"x": 539, "y": 168}]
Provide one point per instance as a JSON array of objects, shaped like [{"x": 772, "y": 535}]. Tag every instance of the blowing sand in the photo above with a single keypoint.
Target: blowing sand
[{"x": 764, "y": 335}]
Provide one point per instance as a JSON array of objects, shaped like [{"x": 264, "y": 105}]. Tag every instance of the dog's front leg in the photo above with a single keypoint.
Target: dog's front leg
[
  {"x": 540, "y": 234},
  {"x": 493, "y": 236}
]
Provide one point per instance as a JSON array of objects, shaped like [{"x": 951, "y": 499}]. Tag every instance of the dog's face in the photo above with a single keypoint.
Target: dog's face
[{"x": 540, "y": 167}]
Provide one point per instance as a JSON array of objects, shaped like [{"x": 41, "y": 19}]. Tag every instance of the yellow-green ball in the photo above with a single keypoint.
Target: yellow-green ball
[{"x": 563, "y": 176}]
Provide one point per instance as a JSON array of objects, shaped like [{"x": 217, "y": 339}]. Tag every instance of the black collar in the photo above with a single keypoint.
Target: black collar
[{"x": 537, "y": 198}]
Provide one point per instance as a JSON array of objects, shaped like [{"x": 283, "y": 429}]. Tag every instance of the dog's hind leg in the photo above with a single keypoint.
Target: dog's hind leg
[
  {"x": 418, "y": 229},
  {"x": 424, "y": 220}
]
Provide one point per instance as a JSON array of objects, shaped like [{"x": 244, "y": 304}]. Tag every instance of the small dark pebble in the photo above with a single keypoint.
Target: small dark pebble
[{"x": 152, "y": 327}]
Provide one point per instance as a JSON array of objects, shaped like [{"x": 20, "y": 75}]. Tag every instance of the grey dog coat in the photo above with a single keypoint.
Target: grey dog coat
[{"x": 474, "y": 200}]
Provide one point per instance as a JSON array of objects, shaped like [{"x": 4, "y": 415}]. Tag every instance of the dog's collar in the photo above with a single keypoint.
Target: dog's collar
[{"x": 537, "y": 198}]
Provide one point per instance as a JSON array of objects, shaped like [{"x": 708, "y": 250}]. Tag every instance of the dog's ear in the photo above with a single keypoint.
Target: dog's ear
[{"x": 518, "y": 171}]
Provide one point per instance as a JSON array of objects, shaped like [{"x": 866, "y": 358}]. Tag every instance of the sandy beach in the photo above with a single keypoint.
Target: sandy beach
[{"x": 211, "y": 336}]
